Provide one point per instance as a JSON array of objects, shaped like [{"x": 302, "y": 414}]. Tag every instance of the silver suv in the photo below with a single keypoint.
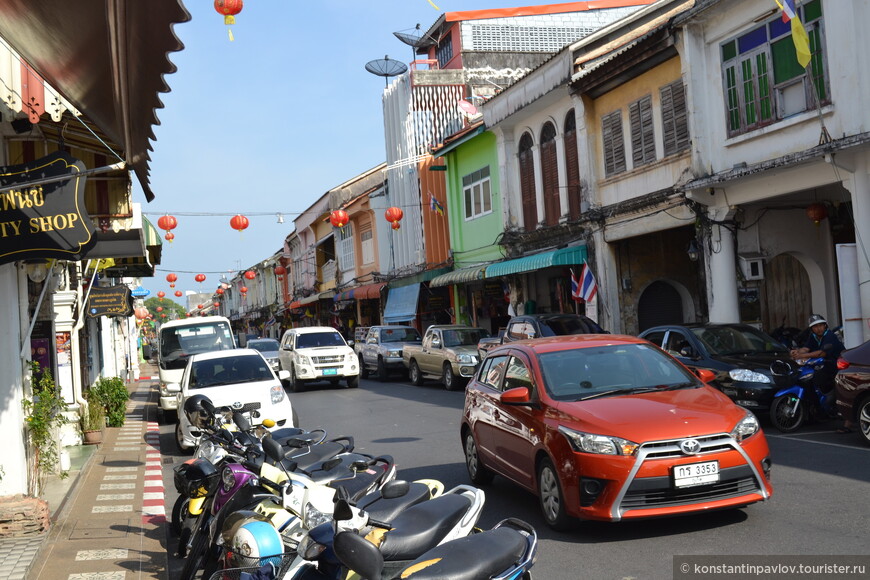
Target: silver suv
[{"x": 381, "y": 350}]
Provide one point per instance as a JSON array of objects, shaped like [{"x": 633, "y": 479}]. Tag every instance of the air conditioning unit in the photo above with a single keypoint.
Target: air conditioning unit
[{"x": 752, "y": 266}]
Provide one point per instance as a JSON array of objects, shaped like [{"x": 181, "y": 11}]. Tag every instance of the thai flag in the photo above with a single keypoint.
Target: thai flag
[{"x": 584, "y": 288}]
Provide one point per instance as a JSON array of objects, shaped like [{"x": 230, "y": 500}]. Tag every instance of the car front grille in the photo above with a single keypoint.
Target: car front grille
[
  {"x": 669, "y": 449},
  {"x": 248, "y": 407},
  {"x": 658, "y": 492},
  {"x": 328, "y": 360}
]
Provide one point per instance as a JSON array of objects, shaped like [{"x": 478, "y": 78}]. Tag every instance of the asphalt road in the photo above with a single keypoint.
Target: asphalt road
[{"x": 821, "y": 485}]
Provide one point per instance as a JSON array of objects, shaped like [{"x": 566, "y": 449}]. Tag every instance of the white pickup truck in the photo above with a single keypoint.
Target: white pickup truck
[{"x": 448, "y": 353}]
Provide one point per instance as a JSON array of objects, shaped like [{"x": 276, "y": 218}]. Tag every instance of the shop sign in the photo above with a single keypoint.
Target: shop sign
[
  {"x": 48, "y": 220},
  {"x": 140, "y": 292},
  {"x": 110, "y": 301}
]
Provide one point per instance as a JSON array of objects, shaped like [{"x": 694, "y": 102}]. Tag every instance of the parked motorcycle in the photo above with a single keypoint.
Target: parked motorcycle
[{"x": 798, "y": 400}]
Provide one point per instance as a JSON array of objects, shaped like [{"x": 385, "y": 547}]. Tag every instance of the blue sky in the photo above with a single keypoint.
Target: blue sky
[{"x": 271, "y": 121}]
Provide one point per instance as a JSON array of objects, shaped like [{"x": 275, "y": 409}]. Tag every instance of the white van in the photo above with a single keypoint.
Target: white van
[
  {"x": 317, "y": 353},
  {"x": 177, "y": 341}
]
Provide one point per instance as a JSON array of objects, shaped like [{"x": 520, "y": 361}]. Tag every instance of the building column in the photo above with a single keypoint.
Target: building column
[
  {"x": 508, "y": 178},
  {"x": 858, "y": 184},
  {"x": 562, "y": 168},
  {"x": 722, "y": 297}
]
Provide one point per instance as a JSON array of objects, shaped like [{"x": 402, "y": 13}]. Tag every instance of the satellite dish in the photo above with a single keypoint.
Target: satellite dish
[
  {"x": 467, "y": 108},
  {"x": 386, "y": 67},
  {"x": 412, "y": 39}
]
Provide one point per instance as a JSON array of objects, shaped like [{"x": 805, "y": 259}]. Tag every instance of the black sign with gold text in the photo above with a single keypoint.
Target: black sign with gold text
[
  {"x": 110, "y": 301},
  {"x": 48, "y": 220}
]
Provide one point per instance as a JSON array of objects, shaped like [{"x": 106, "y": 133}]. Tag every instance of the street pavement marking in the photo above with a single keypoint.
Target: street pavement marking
[
  {"x": 153, "y": 510},
  {"x": 98, "y": 576},
  {"x": 126, "y": 448},
  {"x": 799, "y": 437},
  {"x": 120, "y": 477},
  {"x": 108, "y": 486},
  {"x": 110, "y": 509},
  {"x": 114, "y": 496},
  {"x": 149, "y": 495},
  {"x": 108, "y": 554},
  {"x": 120, "y": 469}
]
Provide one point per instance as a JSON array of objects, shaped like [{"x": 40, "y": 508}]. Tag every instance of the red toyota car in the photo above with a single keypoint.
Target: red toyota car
[{"x": 610, "y": 427}]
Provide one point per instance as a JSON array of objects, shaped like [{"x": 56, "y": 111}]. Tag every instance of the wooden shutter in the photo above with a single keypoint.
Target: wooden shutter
[
  {"x": 572, "y": 166},
  {"x": 614, "y": 146},
  {"x": 675, "y": 122},
  {"x": 528, "y": 194},
  {"x": 643, "y": 147},
  {"x": 550, "y": 174}
]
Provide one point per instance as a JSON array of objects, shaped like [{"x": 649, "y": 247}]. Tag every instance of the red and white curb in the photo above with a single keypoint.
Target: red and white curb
[{"x": 153, "y": 503}]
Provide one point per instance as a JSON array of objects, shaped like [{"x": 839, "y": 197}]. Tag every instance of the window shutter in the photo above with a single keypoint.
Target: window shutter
[
  {"x": 642, "y": 139},
  {"x": 614, "y": 146},
  {"x": 550, "y": 174},
  {"x": 674, "y": 118},
  {"x": 572, "y": 167},
  {"x": 527, "y": 183}
]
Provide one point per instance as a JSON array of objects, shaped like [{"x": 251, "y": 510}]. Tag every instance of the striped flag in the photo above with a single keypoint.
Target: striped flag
[
  {"x": 584, "y": 288},
  {"x": 798, "y": 33}
]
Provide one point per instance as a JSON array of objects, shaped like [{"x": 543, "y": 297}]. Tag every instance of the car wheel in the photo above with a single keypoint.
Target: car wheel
[
  {"x": 295, "y": 418},
  {"x": 451, "y": 381},
  {"x": 787, "y": 413},
  {"x": 864, "y": 420},
  {"x": 478, "y": 474},
  {"x": 179, "y": 440},
  {"x": 295, "y": 385},
  {"x": 353, "y": 382},
  {"x": 382, "y": 370},
  {"x": 414, "y": 374},
  {"x": 551, "y": 499},
  {"x": 161, "y": 416},
  {"x": 363, "y": 371}
]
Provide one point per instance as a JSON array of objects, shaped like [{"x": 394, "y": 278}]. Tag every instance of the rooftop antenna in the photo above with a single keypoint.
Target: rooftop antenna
[{"x": 386, "y": 67}]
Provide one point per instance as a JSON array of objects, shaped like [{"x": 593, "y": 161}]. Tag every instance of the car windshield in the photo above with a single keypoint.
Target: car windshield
[
  {"x": 177, "y": 343},
  {"x": 315, "y": 339},
  {"x": 229, "y": 370},
  {"x": 566, "y": 325},
  {"x": 584, "y": 373},
  {"x": 734, "y": 340},
  {"x": 400, "y": 335},
  {"x": 264, "y": 344},
  {"x": 463, "y": 336}
]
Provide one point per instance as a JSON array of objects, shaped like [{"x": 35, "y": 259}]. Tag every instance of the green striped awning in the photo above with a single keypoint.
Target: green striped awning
[
  {"x": 572, "y": 256},
  {"x": 424, "y": 276},
  {"x": 152, "y": 236},
  {"x": 461, "y": 276}
]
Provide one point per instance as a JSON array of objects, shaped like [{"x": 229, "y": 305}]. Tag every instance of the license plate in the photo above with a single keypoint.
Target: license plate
[
  {"x": 696, "y": 474},
  {"x": 330, "y": 372}
]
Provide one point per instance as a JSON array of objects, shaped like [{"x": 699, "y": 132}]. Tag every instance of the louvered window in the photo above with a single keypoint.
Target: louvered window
[
  {"x": 675, "y": 121},
  {"x": 614, "y": 147},
  {"x": 643, "y": 145},
  {"x": 368, "y": 246},
  {"x": 550, "y": 174},
  {"x": 345, "y": 247},
  {"x": 572, "y": 166},
  {"x": 528, "y": 194}
]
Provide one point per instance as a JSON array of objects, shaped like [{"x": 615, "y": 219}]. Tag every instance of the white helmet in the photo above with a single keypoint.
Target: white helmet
[
  {"x": 816, "y": 319},
  {"x": 256, "y": 543}
]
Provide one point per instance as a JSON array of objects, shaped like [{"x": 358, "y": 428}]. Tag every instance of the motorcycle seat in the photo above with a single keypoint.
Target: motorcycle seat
[
  {"x": 482, "y": 555},
  {"x": 386, "y": 510},
  {"x": 309, "y": 456},
  {"x": 422, "y": 527}
]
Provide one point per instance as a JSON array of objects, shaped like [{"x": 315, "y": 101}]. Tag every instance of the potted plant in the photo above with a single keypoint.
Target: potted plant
[
  {"x": 93, "y": 421},
  {"x": 111, "y": 394}
]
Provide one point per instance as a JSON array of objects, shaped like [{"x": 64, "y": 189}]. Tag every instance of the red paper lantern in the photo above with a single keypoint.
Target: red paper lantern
[
  {"x": 339, "y": 218},
  {"x": 169, "y": 237},
  {"x": 396, "y": 225},
  {"x": 239, "y": 222},
  {"x": 280, "y": 271},
  {"x": 229, "y": 9},
  {"x": 817, "y": 212},
  {"x": 394, "y": 215},
  {"x": 199, "y": 306},
  {"x": 217, "y": 304},
  {"x": 220, "y": 290},
  {"x": 199, "y": 278},
  {"x": 244, "y": 289},
  {"x": 171, "y": 278},
  {"x": 162, "y": 316},
  {"x": 250, "y": 275},
  {"x": 161, "y": 294},
  {"x": 167, "y": 222},
  {"x": 159, "y": 309},
  {"x": 178, "y": 293},
  {"x": 172, "y": 285},
  {"x": 141, "y": 313}
]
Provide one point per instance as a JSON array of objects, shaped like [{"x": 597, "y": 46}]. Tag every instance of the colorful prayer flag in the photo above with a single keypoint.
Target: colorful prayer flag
[
  {"x": 435, "y": 205},
  {"x": 798, "y": 32}
]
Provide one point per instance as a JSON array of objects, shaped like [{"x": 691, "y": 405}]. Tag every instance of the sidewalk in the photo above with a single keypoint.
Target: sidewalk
[{"x": 110, "y": 526}]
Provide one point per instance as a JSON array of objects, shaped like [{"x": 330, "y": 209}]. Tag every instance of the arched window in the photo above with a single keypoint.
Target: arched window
[
  {"x": 528, "y": 195},
  {"x": 550, "y": 174},
  {"x": 572, "y": 167}
]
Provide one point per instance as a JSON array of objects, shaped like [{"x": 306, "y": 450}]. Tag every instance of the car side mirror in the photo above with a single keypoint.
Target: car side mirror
[
  {"x": 688, "y": 352},
  {"x": 350, "y": 343},
  {"x": 435, "y": 343},
  {"x": 173, "y": 388},
  {"x": 706, "y": 375},
  {"x": 284, "y": 375},
  {"x": 517, "y": 396}
]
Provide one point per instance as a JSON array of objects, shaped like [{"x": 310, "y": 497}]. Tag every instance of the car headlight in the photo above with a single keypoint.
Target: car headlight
[
  {"x": 314, "y": 517},
  {"x": 748, "y": 376},
  {"x": 598, "y": 444},
  {"x": 277, "y": 393},
  {"x": 303, "y": 360},
  {"x": 467, "y": 359},
  {"x": 394, "y": 354},
  {"x": 747, "y": 427},
  {"x": 228, "y": 479}
]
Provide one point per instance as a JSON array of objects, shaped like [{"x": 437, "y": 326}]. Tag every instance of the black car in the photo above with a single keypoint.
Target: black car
[
  {"x": 739, "y": 354},
  {"x": 529, "y": 326}
]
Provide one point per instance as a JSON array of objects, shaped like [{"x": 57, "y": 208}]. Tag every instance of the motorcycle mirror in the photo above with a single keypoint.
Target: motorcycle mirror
[
  {"x": 296, "y": 443},
  {"x": 255, "y": 414},
  {"x": 273, "y": 449},
  {"x": 331, "y": 464},
  {"x": 342, "y": 509},
  {"x": 359, "y": 554},
  {"x": 241, "y": 421},
  {"x": 359, "y": 465},
  {"x": 395, "y": 488}
]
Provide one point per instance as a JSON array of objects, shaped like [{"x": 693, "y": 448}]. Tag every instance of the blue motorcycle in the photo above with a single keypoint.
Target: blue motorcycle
[{"x": 798, "y": 400}]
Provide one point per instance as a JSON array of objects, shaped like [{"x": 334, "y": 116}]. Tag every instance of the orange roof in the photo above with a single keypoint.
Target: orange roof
[{"x": 542, "y": 9}]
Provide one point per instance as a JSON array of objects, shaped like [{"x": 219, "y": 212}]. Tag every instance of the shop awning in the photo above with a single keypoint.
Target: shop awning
[
  {"x": 461, "y": 276},
  {"x": 402, "y": 303},
  {"x": 109, "y": 59},
  {"x": 361, "y": 292},
  {"x": 572, "y": 256},
  {"x": 421, "y": 277},
  {"x": 312, "y": 299}
]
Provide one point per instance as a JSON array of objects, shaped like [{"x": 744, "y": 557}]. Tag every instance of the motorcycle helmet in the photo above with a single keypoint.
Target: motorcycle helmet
[
  {"x": 256, "y": 544},
  {"x": 816, "y": 319},
  {"x": 237, "y": 519},
  {"x": 199, "y": 411},
  {"x": 197, "y": 478}
]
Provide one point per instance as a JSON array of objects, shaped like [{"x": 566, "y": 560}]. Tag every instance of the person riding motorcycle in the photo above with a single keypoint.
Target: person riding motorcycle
[{"x": 821, "y": 342}]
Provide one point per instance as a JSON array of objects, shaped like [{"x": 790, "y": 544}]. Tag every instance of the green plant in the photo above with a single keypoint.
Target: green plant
[
  {"x": 111, "y": 393},
  {"x": 43, "y": 414},
  {"x": 95, "y": 417}
]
